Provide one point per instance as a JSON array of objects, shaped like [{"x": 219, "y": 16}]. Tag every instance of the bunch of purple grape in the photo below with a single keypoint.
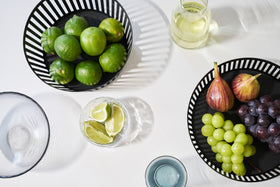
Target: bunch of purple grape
[{"x": 262, "y": 118}]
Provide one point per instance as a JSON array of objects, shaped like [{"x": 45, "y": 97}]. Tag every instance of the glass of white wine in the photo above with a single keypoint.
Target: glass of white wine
[{"x": 190, "y": 23}]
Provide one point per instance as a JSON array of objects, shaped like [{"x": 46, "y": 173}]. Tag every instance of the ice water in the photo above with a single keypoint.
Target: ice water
[
  {"x": 166, "y": 171},
  {"x": 190, "y": 24}
]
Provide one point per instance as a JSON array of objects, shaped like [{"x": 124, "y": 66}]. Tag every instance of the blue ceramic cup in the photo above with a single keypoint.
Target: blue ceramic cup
[{"x": 166, "y": 171}]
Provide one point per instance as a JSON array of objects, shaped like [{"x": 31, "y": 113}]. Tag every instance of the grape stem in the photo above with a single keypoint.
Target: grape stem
[{"x": 252, "y": 165}]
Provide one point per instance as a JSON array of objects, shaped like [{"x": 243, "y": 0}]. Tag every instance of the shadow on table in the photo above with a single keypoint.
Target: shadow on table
[
  {"x": 66, "y": 141},
  {"x": 231, "y": 22},
  {"x": 141, "y": 119},
  {"x": 151, "y": 46}
]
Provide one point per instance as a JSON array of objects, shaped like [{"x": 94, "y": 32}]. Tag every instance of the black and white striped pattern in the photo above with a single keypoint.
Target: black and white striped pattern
[
  {"x": 197, "y": 107},
  {"x": 49, "y": 13}
]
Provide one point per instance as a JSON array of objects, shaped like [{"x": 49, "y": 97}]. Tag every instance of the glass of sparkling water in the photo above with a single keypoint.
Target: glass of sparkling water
[
  {"x": 24, "y": 134},
  {"x": 166, "y": 171},
  {"x": 190, "y": 23}
]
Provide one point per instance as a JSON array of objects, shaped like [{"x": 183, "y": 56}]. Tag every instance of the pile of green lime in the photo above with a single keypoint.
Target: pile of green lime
[
  {"x": 107, "y": 122},
  {"x": 78, "y": 37}
]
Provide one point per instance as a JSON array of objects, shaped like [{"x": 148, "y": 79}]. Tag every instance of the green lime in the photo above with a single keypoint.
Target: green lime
[
  {"x": 61, "y": 71},
  {"x": 96, "y": 132},
  {"x": 88, "y": 72},
  {"x": 67, "y": 47},
  {"x": 101, "y": 112},
  {"x": 113, "y": 29},
  {"x": 113, "y": 58},
  {"x": 48, "y": 37},
  {"x": 115, "y": 123},
  {"x": 93, "y": 41},
  {"x": 75, "y": 25}
]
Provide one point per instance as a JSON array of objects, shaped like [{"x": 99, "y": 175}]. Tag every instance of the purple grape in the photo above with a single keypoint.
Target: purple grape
[
  {"x": 264, "y": 120},
  {"x": 253, "y": 111},
  {"x": 249, "y": 120},
  {"x": 274, "y": 148},
  {"x": 262, "y": 109},
  {"x": 277, "y": 102},
  {"x": 262, "y": 133},
  {"x": 273, "y": 129},
  {"x": 278, "y": 120},
  {"x": 273, "y": 111},
  {"x": 253, "y": 103},
  {"x": 253, "y": 130},
  {"x": 276, "y": 141},
  {"x": 242, "y": 110},
  {"x": 265, "y": 99}
]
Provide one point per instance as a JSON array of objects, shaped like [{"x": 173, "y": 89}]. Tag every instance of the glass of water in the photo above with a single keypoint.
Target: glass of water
[
  {"x": 166, "y": 171},
  {"x": 190, "y": 23},
  {"x": 24, "y": 134}
]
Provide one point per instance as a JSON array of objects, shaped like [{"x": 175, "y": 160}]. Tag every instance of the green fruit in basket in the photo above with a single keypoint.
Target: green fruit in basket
[
  {"x": 113, "y": 29},
  {"x": 67, "y": 47},
  {"x": 61, "y": 71},
  {"x": 93, "y": 41},
  {"x": 88, "y": 72},
  {"x": 113, "y": 58},
  {"x": 48, "y": 38},
  {"x": 75, "y": 25}
]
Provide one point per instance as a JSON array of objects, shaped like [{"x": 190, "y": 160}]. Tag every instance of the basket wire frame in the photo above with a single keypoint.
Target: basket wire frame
[
  {"x": 261, "y": 65},
  {"x": 47, "y": 13}
]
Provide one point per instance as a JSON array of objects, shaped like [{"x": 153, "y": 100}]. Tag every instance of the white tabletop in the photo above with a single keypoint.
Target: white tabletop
[{"x": 245, "y": 29}]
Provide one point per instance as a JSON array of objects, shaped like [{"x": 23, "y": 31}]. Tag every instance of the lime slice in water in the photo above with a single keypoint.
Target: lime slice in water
[
  {"x": 115, "y": 123},
  {"x": 101, "y": 112},
  {"x": 96, "y": 132}
]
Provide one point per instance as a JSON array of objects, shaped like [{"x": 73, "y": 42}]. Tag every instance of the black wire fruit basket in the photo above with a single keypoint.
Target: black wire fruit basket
[
  {"x": 49, "y": 13},
  {"x": 265, "y": 164}
]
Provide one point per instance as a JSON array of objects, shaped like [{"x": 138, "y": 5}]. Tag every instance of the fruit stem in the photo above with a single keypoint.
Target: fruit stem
[
  {"x": 216, "y": 70},
  {"x": 252, "y": 165},
  {"x": 256, "y": 76}
]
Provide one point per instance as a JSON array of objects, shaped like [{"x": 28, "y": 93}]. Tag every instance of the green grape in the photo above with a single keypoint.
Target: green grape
[
  {"x": 239, "y": 169},
  {"x": 227, "y": 159},
  {"x": 214, "y": 148},
  {"x": 212, "y": 141},
  {"x": 250, "y": 139},
  {"x": 218, "y": 134},
  {"x": 226, "y": 150},
  {"x": 229, "y": 136},
  {"x": 237, "y": 159},
  {"x": 237, "y": 148},
  {"x": 219, "y": 145},
  {"x": 228, "y": 125},
  {"x": 207, "y": 130},
  {"x": 207, "y": 119},
  {"x": 227, "y": 167},
  {"x": 239, "y": 128},
  {"x": 219, "y": 114},
  {"x": 219, "y": 157},
  {"x": 217, "y": 121},
  {"x": 249, "y": 150},
  {"x": 241, "y": 138}
]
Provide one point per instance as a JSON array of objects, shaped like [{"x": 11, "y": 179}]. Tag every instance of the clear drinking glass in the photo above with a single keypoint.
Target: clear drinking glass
[
  {"x": 24, "y": 134},
  {"x": 190, "y": 23},
  {"x": 85, "y": 116},
  {"x": 166, "y": 171}
]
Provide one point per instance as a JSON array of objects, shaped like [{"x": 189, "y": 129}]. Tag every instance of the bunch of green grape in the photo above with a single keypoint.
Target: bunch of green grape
[{"x": 230, "y": 142}]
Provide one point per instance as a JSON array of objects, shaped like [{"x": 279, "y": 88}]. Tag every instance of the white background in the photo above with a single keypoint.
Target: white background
[{"x": 246, "y": 29}]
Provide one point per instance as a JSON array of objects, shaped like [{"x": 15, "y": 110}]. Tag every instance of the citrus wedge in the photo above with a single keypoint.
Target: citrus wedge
[
  {"x": 115, "y": 123},
  {"x": 96, "y": 132},
  {"x": 101, "y": 112}
]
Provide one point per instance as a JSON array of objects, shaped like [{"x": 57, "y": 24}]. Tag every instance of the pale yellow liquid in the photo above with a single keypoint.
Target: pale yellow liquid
[{"x": 190, "y": 26}]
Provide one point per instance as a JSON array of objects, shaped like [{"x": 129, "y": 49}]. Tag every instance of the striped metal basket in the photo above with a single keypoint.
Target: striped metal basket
[
  {"x": 265, "y": 160},
  {"x": 49, "y": 13}
]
